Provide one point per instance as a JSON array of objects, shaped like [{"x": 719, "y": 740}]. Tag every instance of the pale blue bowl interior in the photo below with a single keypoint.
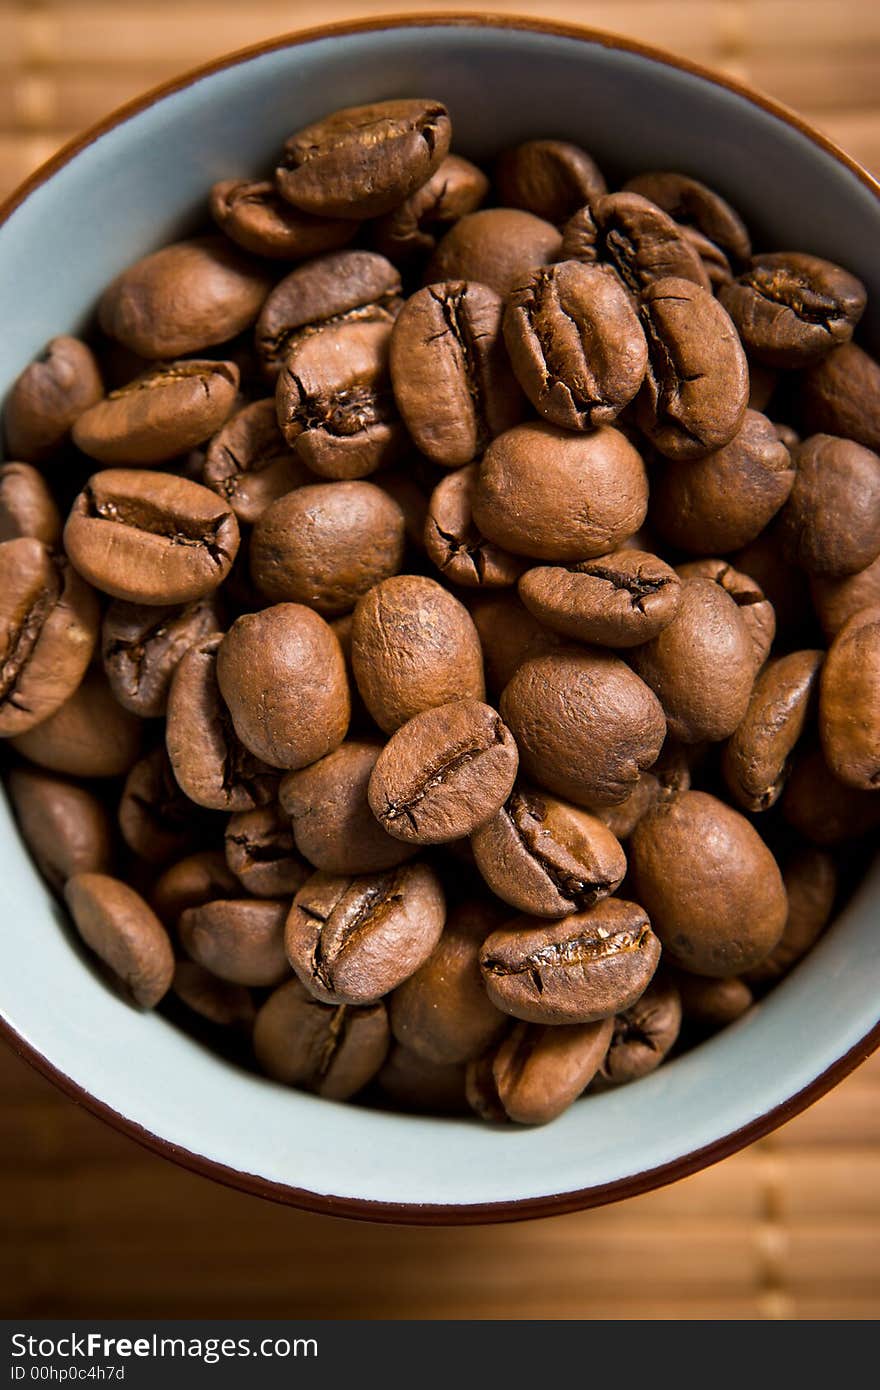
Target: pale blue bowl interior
[{"x": 138, "y": 186}]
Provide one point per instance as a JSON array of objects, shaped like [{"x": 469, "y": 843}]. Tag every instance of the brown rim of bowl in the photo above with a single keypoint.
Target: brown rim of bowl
[{"x": 447, "y": 1214}]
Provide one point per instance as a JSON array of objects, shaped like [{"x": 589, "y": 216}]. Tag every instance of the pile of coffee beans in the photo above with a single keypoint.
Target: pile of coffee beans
[{"x": 456, "y": 682}]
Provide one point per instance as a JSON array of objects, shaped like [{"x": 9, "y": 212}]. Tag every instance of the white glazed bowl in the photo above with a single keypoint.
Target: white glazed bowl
[{"x": 135, "y": 182}]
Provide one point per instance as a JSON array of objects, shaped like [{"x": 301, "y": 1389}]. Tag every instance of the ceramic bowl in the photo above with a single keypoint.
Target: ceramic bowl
[{"x": 137, "y": 181}]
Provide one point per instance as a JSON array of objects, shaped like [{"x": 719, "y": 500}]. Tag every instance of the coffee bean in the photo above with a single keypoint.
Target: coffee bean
[
  {"x": 48, "y": 398},
  {"x": 90, "y": 735},
  {"x": 584, "y": 723},
  {"x": 443, "y": 773},
  {"x": 554, "y": 495},
  {"x": 260, "y": 852},
  {"x": 830, "y": 524},
  {"x": 250, "y": 464},
  {"x": 364, "y": 160},
  {"x": 755, "y": 610},
  {"x": 547, "y": 858},
  {"x": 712, "y": 888},
  {"x": 452, "y": 379},
  {"x": 150, "y": 537},
  {"x": 638, "y": 241},
  {"x": 576, "y": 344},
  {"x": 353, "y": 939},
  {"x": 162, "y": 413},
  {"x": 333, "y": 1050},
  {"x": 124, "y": 932},
  {"x": 212, "y": 766},
  {"x": 536, "y": 1072},
  {"x": 849, "y": 702},
  {"x": 184, "y": 298},
  {"x": 326, "y": 545},
  {"x": 65, "y": 827},
  {"x": 142, "y": 645},
  {"x": 258, "y": 219},
  {"x": 409, "y": 1082},
  {"x": 200, "y": 878},
  {"x": 790, "y": 308},
  {"x": 810, "y": 879},
  {"x": 719, "y": 503},
  {"x": 841, "y": 396},
  {"x": 333, "y": 825},
  {"x": 619, "y": 600},
  {"x": 696, "y": 386},
  {"x": 455, "y": 544},
  {"x": 27, "y": 507},
  {"x": 342, "y": 287},
  {"x": 755, "y": 761},
  {"x": 217, "y": 1001},
  {"x": 155, "y": 817},
  {"x": 838, "y": 600},
  {"x": 455, "y": 188},
  {"x": 710, "y": 1003},
  {"x": 414, "y": 646},
  {"x": 586, "y": 967},
  {"x": 550, "y": 178},
  {"x": 498, "y": 247},
  {"x": 442, "y": 1012},
  {"x": 282, "y": 676},
  {"x": 643, "y": 1034},
  {"x": 823, "y": 809},
  {"x": 509, "y": 636},
  {"x": 239, "y": 939},
  {"x": 715, "y": 263},
  {"x": 48, "y": 628},
  {"x": 693, "y": 205}
]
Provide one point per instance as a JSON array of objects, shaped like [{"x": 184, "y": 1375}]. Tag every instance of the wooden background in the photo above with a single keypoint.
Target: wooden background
[{"x": 90, "y": 1224}]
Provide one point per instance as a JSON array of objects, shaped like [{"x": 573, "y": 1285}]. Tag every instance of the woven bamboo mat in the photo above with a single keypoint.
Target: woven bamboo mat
[{"x": 92, "y": 1224}]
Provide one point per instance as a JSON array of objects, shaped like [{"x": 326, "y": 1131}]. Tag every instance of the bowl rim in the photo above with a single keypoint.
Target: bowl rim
[{"x": 440, "y": 1214}]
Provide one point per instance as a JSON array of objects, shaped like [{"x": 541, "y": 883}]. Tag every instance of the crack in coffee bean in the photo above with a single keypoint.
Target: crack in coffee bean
[
  {"x": 142, "y": 515},
  {"x": 794, "y": 292},
  {"x": 375, "y": 898},
  {"x": 451, "y": 301},
  {"x": 440, "y": 773},
  {"x": 337, "y": 1029},
  {"x": 580, "y": 892},
  {"x": 347, "y": 412},
  {"x": 576, "y": 952},
  {"x": 638, "y": 587}
]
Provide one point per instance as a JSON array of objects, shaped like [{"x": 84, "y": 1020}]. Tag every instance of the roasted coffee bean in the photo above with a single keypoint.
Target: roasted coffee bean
[
  {"x": 618, "y": 600},
  {"x": 443, "y": 773},
  {"x": 282, "y": 675},
  {"x": 588, "y": 966},
  {"x": 326, "y": 545},
  {"x": 643, "y": 1034},
  {"x": 169, "y": 409},
  {"x": 352, "y": 940},
  {"x": 150, "y": 537},
  {"x": 48, "y": 398},
  {"x": 697, "y": 381},
  {"x": 755, "y": 761},
  {"x": 830, "y": 524},
  {"x": 364, "y": 160},
  {"x": 455, "y": 544},
  {"x": 260, "y": 852},
  {"x": 547, "y": 858},
  {"x": 413, "y": 646},
  {"x": 340, "y": 287},
  {"x": 498, "y": 247},
  {"x": 536, "y": 1072},
  {"x": 331, "y": 1049},
  {"x": 712, "y": 888},
  {"x": 576, "y": 344},
  {"x": 509, "y": 636},
  {"x": 212, "y": 767},
  {"x": 442, "y": 1013},
  {"x": 27, "y": 507},
  {"x": 250, "y": 464},
  {"x": 810, "y": 879},
  {"x": 410, "y": 1083},
  {"x": 584, "y": 723},
  {"x": 838, "y": 600},
  {"x": 822, "y": 808},
  {"x": 141, "y": 647},
  {"x": 701, "y": 666},
  {"x": 554, "y": 495},
  {"x": 713, "y": 1003},
  {"x": 333, "y": 825},
  {"x": 715, "y": 263},
  {"x": 755, "y": 609},
  {"x": 849, "y": 702},
  {"x": 258, "y": 219},
  {"x": 90, "y": 735},
  {"x": 184, "y": 298},
  {"x": 65, "y": 827},
  {"x": 216, "y": 1001},
  {"x": 636, "y": 239},
  {"x": 550, "y": 178},
  {"x": 453, "y": 382},
  {"x": 455, "y": 188},
  {"x": 239, "y": 939},
  {"x": 691, "y": 204},
  {"x": 124, "y": 932},
  {"x": 841, "y": 396},
  {"x": 790, "y": 308},
  {"x": 156, "y": 819},
  {"x": 200, "y": 878},
  {"x": 48, "y": 628},
  {"x": 719, "y": 503}
]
